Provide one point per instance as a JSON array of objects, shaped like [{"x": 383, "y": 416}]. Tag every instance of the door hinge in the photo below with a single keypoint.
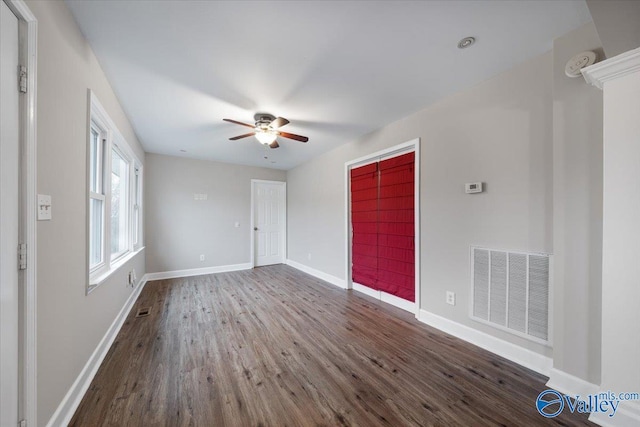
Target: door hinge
[
  {"x": 22, "y": 256},
  {"x": 22, "y": 423},
  {"x": 22, "y": 79}
]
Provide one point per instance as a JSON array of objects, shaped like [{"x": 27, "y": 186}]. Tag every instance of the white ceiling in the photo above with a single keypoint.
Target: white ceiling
[{"x": 336, "y": 69}]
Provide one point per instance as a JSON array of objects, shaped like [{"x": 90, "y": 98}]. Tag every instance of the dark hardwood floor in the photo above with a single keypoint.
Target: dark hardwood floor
[{"x": 275, "y": 347}]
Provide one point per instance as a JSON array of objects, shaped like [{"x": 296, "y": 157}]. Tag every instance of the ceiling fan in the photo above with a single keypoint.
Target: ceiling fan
[{"x": 266, "y": 130}]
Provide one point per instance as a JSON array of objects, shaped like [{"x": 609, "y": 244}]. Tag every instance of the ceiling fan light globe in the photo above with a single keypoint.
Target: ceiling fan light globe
[{"x": 266, "y": 138}]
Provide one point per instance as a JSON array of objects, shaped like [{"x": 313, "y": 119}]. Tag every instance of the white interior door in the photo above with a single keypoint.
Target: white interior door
[
  {"x": 9, "y": 216},
  {"x": 269, "y": 222}
]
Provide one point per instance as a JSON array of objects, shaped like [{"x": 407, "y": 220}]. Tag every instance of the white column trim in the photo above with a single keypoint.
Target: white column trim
[{"x": 612, "y": 68}]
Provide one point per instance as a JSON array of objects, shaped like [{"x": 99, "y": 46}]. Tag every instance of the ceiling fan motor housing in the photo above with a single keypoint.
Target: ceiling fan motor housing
[{"x": 263, "y": 119}]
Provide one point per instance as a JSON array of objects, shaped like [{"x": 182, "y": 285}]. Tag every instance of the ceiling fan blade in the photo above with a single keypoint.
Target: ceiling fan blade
[
  {"x": 279, "y": 122},
  {"x": 242, "y": 136},
  {"x": 274, "y": 144},
  {"x": 294, "y": 136},
  {"x": 239, "y": 123}
]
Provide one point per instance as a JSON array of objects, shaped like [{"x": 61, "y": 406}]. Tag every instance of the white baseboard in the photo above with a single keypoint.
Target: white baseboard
[
  {"x": 365, "y": 290},
  {"x": 627, "y": 415},
  {"x": 72, "y": 399},
  {"x": 341, "y": 283},
  {"x": 568, "y": 384},
  {"x": 385, "y": 297},
  {"x": 198, "y": 271},
  {"x": 522, "y": 356}
]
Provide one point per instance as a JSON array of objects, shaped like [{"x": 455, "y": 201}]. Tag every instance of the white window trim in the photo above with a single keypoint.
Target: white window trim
[{"x": 114, "y": 141}]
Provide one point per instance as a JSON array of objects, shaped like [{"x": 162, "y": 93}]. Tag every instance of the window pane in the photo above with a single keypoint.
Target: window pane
[
  {"x": 119, "y": 204},
  {"x": 94, "y": 162},
  {"x": 96, "y": 208},
  {"x": 136, "y": 208}
]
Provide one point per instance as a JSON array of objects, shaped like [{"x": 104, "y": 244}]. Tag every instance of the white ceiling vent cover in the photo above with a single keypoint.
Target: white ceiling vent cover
[{"x": 510, "y": 290}]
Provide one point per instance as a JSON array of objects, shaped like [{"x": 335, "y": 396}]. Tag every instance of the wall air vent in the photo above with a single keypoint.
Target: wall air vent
[{"x": 510, "y": 290}]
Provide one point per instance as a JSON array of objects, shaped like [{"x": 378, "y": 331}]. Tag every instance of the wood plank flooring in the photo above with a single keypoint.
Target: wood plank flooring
[{"x": 275, "y": 347}]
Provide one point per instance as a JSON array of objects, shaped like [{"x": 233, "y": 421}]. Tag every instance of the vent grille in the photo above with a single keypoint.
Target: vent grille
[{"x": 511, "y": 291}]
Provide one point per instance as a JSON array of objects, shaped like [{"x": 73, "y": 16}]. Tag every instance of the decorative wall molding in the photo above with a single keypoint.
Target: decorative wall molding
[
  {"x": 522, "y": 356},
  {"x": 72, "y": 399},
  {"x": 197, "y": 271},
  {"x": 612, "y": 68},
  {"x": 341, "y": 283}
]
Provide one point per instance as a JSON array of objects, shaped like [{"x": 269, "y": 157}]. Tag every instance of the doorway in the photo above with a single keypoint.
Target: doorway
[
  {"x": 18, "y": 213},
  {"x": 268, "y": 222},
  {"x": 9, "y": 215},
  {"x": 383, "y": 225}
]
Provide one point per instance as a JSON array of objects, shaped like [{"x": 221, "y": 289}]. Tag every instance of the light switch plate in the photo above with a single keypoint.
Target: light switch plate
[{"x": 44, "y": 207}]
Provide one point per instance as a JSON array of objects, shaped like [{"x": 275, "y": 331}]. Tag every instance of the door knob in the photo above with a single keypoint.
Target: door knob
[{"x": 255, "y": 228}]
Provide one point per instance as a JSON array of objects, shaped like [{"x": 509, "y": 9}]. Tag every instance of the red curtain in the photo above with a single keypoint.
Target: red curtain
[
  {"x": 364, "y": 220},
  {"x": 382, "y": 209},
  {"x": 396, "y": 252}
]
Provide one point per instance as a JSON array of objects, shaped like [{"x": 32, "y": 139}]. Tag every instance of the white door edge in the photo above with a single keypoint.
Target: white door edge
[{"x": 10, "y": 218}]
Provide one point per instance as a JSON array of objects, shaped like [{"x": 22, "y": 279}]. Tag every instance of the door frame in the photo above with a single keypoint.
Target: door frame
[
  {"x": 28, "y": 36},
  {"x": 252, "y": 221},
  {"x": 396, "y": 150}
]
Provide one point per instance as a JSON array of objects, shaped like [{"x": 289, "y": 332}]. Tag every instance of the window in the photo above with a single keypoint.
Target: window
[
  {"x": 96, "y": 197},
  {"x": 137, "y": 202},
  {"x": 119, "y": 204},
  {"x": 115, "y": 195}
]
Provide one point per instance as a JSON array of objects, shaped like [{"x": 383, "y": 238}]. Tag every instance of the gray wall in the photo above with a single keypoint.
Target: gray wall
[
  {"x": 577, "y": 140},
  {"x": 618, "y": 24},
  {"x": 179, "y": 229},
  {"x": 498, "y": 132},
  {"x": 70, "y": 323}
]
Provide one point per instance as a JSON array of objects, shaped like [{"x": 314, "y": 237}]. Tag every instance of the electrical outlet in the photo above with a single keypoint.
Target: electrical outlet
[
  {"x": 309, "y": 256},
  {"x": 451, "y": 298},
  {"x": 202, "y": 257}
]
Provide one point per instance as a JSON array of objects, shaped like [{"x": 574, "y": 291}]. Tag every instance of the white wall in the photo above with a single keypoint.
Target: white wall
[
  {"x": 618, "y": 24},
  {"x": 70, "y": 323},
  {"x": 179, "y": 229},
  {"x": 498, "y": 132},
  {"x": 577, "y": 176}
]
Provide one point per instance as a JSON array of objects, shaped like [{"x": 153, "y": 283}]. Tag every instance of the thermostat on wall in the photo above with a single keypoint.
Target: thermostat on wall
[{"x": 473, "y": 187}]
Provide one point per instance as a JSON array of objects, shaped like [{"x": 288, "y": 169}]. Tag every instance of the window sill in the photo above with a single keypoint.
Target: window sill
[{"x": 100, "y": 277}]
